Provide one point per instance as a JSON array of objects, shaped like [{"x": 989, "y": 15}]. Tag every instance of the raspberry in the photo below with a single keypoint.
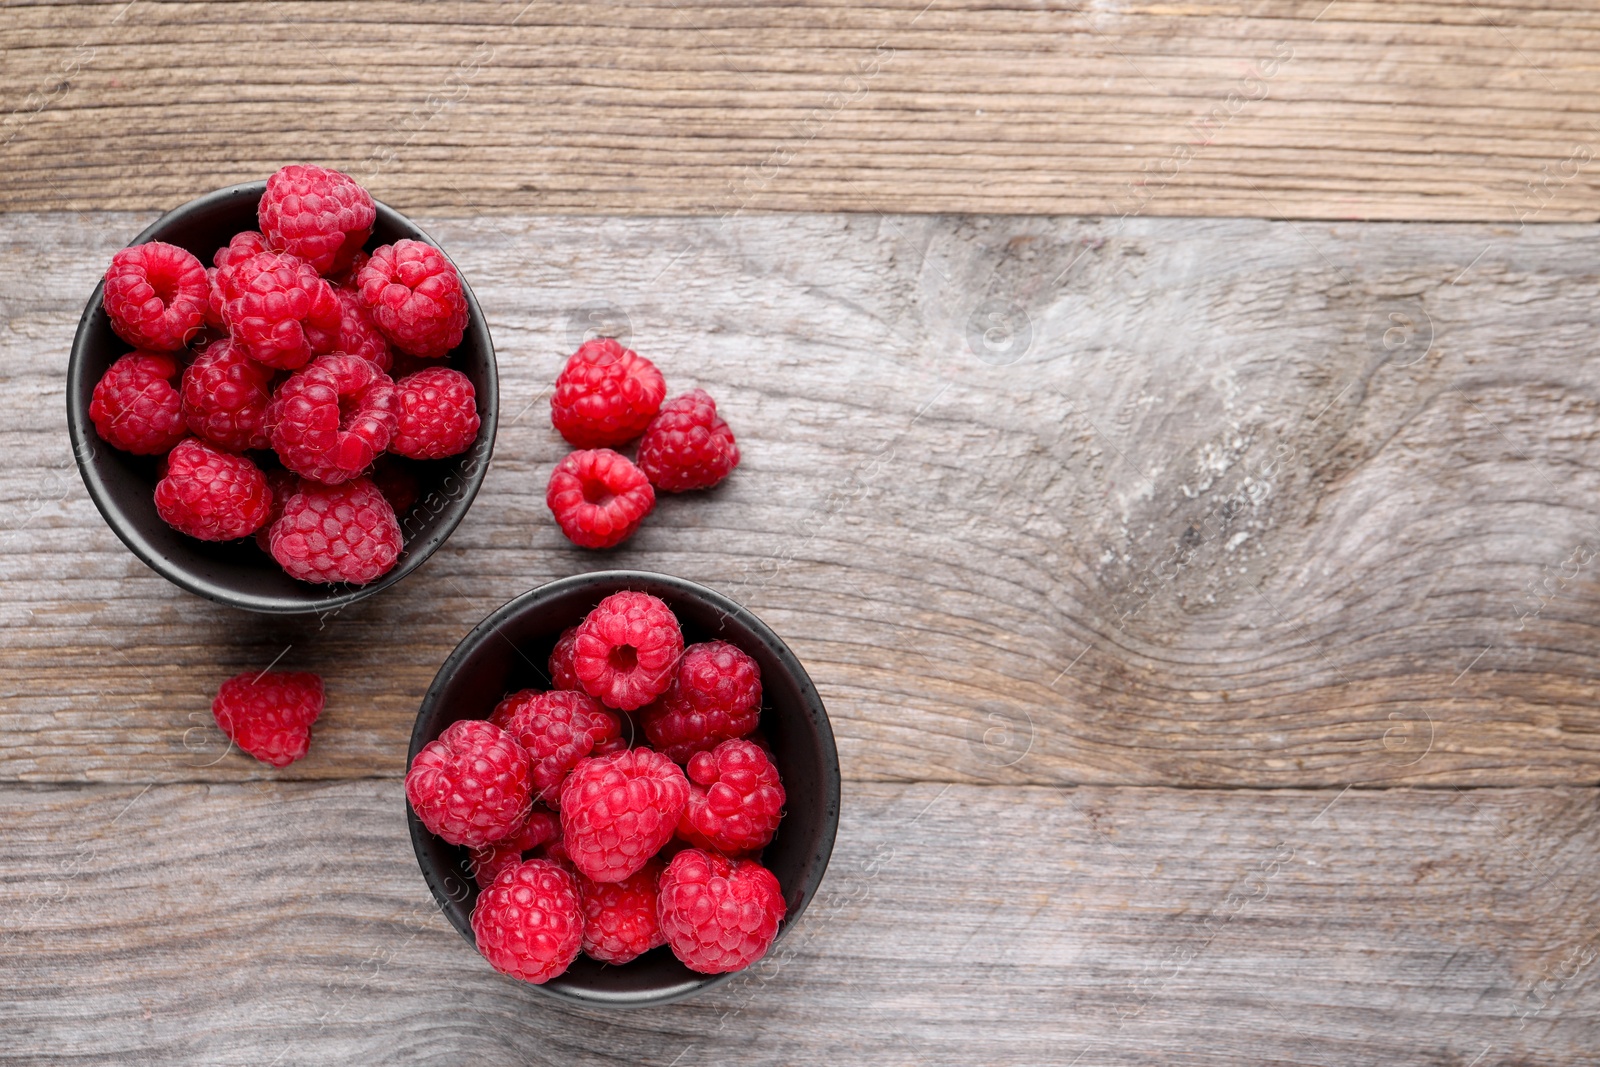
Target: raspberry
[
  {"x": 719, "y": 914},
  {"x": 605, "y": 395},
  {"x": 489, "y": 860},
  {"x": 323, "y": 216},
  {"x": 225, "y": 397},
  {"x": 735, "y": 799},
  {"x": 134, "y": 406},
  {"x": 528, "y": 923},
  {"x": 414, "y": 295},
  {"x": 599, "y": 498},
  {"x": 619, "y": 918},
  {"x": 346, "y": 278},
  {"x": 626, "y": 650},
  {"x": 397, "y": 483},
  {"x": 687, "y": 446},
  {"x": 470, "y": 787},
  {"x": 556, "y": 730},
  {"x": 269, "y": 714},
  {"x": 238, "y": 249},
  {"x": 715, "y": 695},
  {"x": 344, "y": 533},
  {"x": 283, "y": 484},
  {"x": 357, "y": 335},
  {"x": 155, "y": 295},
  {"x": 561, "y": 673},
  {"x": 212, "y": 495},
  {"x": 333, "y": 418},
  {"x": 278, "y": 309},
  {"x": 617, "y": 811},
  {"x": 438, "y": 414}
]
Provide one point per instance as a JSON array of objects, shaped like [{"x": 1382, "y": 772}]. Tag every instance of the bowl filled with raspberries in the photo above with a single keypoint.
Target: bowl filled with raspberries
[
  {"x": 282, "y": 396},
  {"x": 622, "y": 788}
]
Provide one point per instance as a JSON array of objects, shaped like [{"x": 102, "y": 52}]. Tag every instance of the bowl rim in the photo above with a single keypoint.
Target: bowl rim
[
  {"x": 489, "y": 627},
  {"x": 84, "y": 441}
]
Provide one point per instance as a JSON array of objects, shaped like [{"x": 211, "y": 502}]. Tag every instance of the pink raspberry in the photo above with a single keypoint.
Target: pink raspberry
[
  {"x": 415, "y": 297},
  {"x": 735, "y": 799},
  {"x": 619, "y": 918},
  {"x": 212, "y": 495},
  {"x": 134, "y": 406},
  {"x": 225, "y": 397},
  {"x": 278, "y": 310},
  {"x": 438, "y": 414},
  {"x": 357, "y": 335},
  {"x": 323, "y": 216},
  {"x": 269, "y": 714},
  {"x": 238, "y": 249},
  {"x": 333, "y": 418},
  {"x": 715, "y": 695},
  {"x": 687, "y": 446},
  {"x": 599, "y": 498},
  {"x": 528, "y": 923},
  {"x": 605, "y": 395},
  {"x": 627, "y": 649},
  {"x": 155, "y": 295},
  {"x": 339, "y": 533},
  {"x": 561, "y": 672},
  {"x": 617, "y": 811},
  {"x": 557, "y": 730},
  {"x": 489, "y": 860},
  {"x": 471, "y": 786},
  {"x": 719, "y": 914}
]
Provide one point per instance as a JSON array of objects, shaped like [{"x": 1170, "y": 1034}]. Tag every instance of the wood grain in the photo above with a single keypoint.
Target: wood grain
[
  {"x": 1257, "y": 504},
  {"x": 1292, "y": 108}
]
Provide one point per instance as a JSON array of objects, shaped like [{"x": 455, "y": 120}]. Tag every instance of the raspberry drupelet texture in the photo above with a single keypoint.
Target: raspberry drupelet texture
[
  {"x": 323, "y": 216},
  {"x": 598, "y": 497},
  {"x": 333, "y": 418},
  {"x": 471, "y": 786},
  {"x": 528, "y": 923},
  {"x": 617, "y": 811},
  {"x": 488, "y": 861},
  {"x": 438, "y": 414},
  {"x": 605, "y": 395},
  {"x": 562, "y": 675},
  {"x": 719, "y": 914},
  {"x": 556, "y": 729},
  {"x": 715, "y": 695},
  {"x": 357, "y": 334},
  {"x": 156, "y": 296},
  {"x": 626, "y": 650},
  {"x": 225, "y": 397},
  {"x": 135, "y": 407},
  {"x": 239, "y": 248},
  {"x": 212, "y": 495},
  {"x": 278, "y": 310},
  {"x": 735, "y": 799},
  {"x": 269, "y": 713},
  {"x": 619, "y": 918},
  {"x": 688, "y": 446},
  {"x": 415, "y": 297},
  {"x": 337, "y": 533}
]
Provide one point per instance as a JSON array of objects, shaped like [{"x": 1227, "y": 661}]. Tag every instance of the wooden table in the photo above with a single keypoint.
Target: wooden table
[{"x": 1172, "y": 443}]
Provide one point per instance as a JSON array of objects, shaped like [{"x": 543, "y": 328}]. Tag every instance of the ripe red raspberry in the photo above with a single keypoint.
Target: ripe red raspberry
[
  {"x": 357, "y": 335},
  {"x": 556, "y": 729},
  {"x": 269, "y": 714},
  {"x": 397, "y": 483},
  {"x": 605, "y": 395},
  {"x": 212, "y": 495},
  {"x": 617, "y": 811},
  {"x": 626, "y": 650},
  {"x": 719, "y": 914},
  {"x": 225, "y": 397},
  {"x": 438, "y": 414},
  {"x": 471, "y": 786},
  {"x": 687, "y": 446},
  {"x": 238, "y": 249},
  {"x": 619, "y": 918},
  {"x": 323, "y": 216},
  {"x": 155, "y": 296},
  {"x": 342, "y": 533},
  {"x": 735, "y": 799},
  {"x": 489, "y": 860},
  {"x": 134, "y": 406},
  {"x": 528, "y": 923},
  {"x": 278, "y": 309},
  {"x": 599, "y": 498},
  {"x": 562, "y": 675},
  {"x": 333, "y": 418},
  {"x": 414, "y": 295},
  {"x": 715, "y": 695}
]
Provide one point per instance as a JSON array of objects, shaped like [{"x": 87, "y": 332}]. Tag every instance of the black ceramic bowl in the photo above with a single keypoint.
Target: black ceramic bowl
[
  {"x": 510, "y": 649},
  {"x": 238, "y": 573}
]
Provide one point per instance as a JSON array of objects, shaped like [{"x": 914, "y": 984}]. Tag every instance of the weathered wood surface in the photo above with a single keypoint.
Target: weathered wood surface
[
  {"x": 1256, "y": 504},
  {"x": 1291, "y": 108}
]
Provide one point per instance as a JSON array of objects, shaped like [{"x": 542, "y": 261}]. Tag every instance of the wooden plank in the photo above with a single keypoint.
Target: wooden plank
[
  {"x": 1259, "y": 504},
  {"x": 280, "y": 922},
  {"x": 1292, "y": 108}
]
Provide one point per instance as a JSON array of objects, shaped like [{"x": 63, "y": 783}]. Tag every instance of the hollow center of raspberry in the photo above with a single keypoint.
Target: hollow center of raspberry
[
  {"x": 596, "y": 493},
  {"x": 165, "y": 286},
  {"x": 623, "y": 658},
  {"x": 348, "y": 405}
]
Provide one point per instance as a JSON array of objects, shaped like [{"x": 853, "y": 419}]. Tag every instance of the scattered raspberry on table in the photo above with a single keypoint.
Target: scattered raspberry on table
[
  {"x": 599, "y": 498},
  {"x": 606, "y": 395},
  {"x": 688, "y": 446},
  {"x": 269, "y": 714}
]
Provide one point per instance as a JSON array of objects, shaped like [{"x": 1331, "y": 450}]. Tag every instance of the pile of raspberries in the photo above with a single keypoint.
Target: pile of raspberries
[
  {"x": 604, "y": 397},
  {"x": 580, "y": 841},
  {"x": 272, "y": 382}
]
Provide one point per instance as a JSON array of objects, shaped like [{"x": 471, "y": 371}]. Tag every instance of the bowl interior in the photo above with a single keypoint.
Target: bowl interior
[
  {"x": 510, "y": 649},
  {"x": 238, "y": 572}
]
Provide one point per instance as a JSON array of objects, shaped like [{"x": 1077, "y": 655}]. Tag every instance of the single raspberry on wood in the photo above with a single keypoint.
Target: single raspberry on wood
[
  {"x": 489, "y": 860},
  {"x": 336, "y": 533},
  {"x": 357, "y": 334},
  {"x": 278, "y": 310},
  {"x": 155, "y": 295},
  {"x": 715, "y": 695},
  {"x": 626, "y": 650},
  {"x": 333, "y": 418},
  {"x": 323, "y": 216},
  {"x": 438, "y": 414},
  {"x": 134, "y": 406},
  {"x": 605, "y": 395},
  {"x": 735, "y": 799},
  {"x": 528, "y": 923},
  {"x": 225, "y": 397},
  {"x": 471, "y": 786},
  {"x": 599, "y": 498},
  {"x": 415, "y": 296},
  {"x": 562, "y": 675},
  {"x": 269, "y": 714},
  {"x": 212, "y": 495},
  {"x": 617, "y": 811},
  {"x": 688, "y": 446},
  {"x": 556, "y": 729},
  {"x": 619, "y": 918},
  {"x": 719, "y": 914}
]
